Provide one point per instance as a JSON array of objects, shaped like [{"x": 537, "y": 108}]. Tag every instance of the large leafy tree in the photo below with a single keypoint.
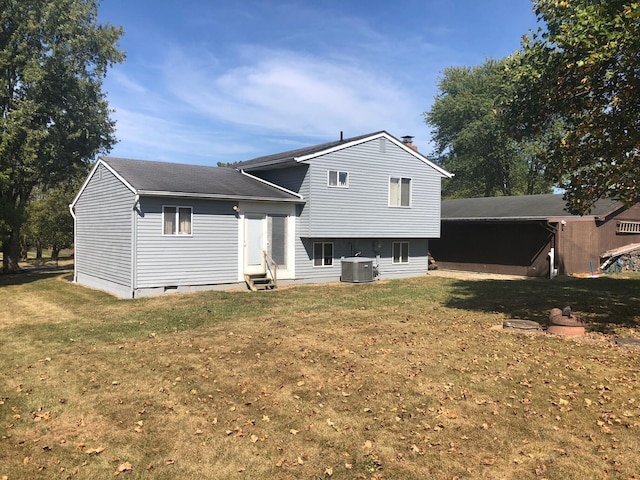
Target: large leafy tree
[
  {"x": 54, "y": 117},
  {"x": 582, "y": 68},
  {"x": 472, "y": 140},
  {"x": 48, "y": 221}
]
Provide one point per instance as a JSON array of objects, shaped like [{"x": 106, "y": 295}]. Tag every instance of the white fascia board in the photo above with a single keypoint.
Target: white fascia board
[
  {"x": 215, "y": 196},
  {"x": 411, "y": 151},
  {"x": 340, "y": 147},
  {"x": 90, "y": 176},
  {"x": 273, "y": 185},
  {"x": 420, "y": 157},
  {"x": 84, "y": 185}
]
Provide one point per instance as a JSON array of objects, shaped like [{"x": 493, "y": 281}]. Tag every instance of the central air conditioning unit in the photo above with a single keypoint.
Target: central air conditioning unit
[{"x": 357, "y": 270}]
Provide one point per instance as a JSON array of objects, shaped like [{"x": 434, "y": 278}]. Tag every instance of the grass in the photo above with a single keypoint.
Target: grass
[{"x": 397, "y": 379}]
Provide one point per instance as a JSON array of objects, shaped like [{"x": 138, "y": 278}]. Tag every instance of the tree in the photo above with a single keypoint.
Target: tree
[
  {"x": 472, "y": 140},
  {"x": 54, "y": 117},
  {"x": 582, "y": 68},
  {"x": 48, "y": 220},
  {"x": 228, "y": 164}
]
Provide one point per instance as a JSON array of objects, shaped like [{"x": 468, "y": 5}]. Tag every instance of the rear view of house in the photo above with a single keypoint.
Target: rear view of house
[{"x": 145, "y": 228}]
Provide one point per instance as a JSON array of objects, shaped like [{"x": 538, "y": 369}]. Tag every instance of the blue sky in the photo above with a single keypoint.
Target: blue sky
[{"x": 208, "y": 81}]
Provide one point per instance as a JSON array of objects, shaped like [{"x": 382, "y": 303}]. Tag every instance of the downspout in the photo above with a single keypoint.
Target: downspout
[
  {"x": 75, "y": 226},
  {"x": 134, "y": 243},
  {"x": 553, "y": 229}
]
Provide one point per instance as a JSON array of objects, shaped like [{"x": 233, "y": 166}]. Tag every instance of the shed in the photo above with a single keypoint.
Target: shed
[{"x": 531, "y": 235}]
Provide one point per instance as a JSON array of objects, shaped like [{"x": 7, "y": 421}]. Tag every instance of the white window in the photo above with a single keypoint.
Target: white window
[
  {"x": 323, "y": 254},
  {"x": 400, "y": 252},
  {"x": 176, "y": 220},
  {"x": 399, "y": 192},
  {"x": 338, "y": 179}
]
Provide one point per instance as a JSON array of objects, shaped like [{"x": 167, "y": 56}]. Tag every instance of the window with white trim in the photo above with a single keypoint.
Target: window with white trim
[
  {"x": 336, "y": 178},
  {"x": 628, "y": 226},
  {"x": 322, "y": 254},
  {"x": 176, "y": 220},
  {"x": 400, "y": 252},
  {"x": 399, "y": 192}
]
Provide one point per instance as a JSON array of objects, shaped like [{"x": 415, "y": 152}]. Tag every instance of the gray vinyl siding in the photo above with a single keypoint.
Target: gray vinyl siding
[
  {"x": 104, "y": 216},
  {"x": 362, "y": 209},
  {"x": 209, "y": 256},
  {"x": 291, "y": 178},
  {"x": 356, "y": 218},
  {"x": 365, "y": 247}
]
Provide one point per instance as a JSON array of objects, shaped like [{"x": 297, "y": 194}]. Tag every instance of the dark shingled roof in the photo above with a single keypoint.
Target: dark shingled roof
[
  {"x": 291, "y": 155},
  {"x": 524, "y": 207},
  {"x": 193, "y": 180}
]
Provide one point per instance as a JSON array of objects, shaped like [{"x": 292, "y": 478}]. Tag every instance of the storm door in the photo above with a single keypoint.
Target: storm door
[{"x": 254, "y": 243}]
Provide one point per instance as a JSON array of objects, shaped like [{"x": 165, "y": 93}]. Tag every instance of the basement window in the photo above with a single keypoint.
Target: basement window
[
  {"x": 628, "y": 227},
  {"x": 323, "y": 254},
  {"x": 400, "y": 252}
]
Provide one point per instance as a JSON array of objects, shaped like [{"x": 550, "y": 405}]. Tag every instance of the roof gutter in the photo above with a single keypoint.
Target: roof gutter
[
  {"x": 494, "y": 219},
  {"x": 214, "y": 196},
  {"x": 272, "y": 185}
]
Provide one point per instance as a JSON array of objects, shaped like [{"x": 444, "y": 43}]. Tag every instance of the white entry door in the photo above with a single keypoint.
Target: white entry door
[{"x": 254, "y": 242}]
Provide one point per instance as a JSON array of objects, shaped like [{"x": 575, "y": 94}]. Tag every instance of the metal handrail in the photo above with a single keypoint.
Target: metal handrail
[{"x": 268, "y": 262}]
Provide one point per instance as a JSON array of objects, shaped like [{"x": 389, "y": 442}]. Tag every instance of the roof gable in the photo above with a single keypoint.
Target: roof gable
[
  {"x": 523, "y": 207},
  {"x": 308, "y": 153}
]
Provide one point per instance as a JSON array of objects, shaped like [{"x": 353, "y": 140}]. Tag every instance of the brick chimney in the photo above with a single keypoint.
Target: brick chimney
[{"x": 408, "y": 141}]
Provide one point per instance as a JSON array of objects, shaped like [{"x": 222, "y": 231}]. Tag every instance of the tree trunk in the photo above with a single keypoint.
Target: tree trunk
[
  {"x": 24, "y": 248},
  {"x": 55, "y": 252},
  {"x": 13, "y": 205},
  {"x": 38, "y": 250},
  {"x": 11, "y": 252}
]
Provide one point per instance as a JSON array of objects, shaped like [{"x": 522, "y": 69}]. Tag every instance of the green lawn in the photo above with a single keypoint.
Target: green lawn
[{"x": 402, "y": 379}]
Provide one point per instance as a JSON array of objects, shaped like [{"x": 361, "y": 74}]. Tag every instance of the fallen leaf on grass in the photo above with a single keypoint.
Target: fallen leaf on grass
[
  {"x": 94, "y": 451},
  {"x": 328, "y": 471},
  {"x": 293, "y": 431},
  {"x": 541, "y": 469},
  {"x": 124, "y": 467}
]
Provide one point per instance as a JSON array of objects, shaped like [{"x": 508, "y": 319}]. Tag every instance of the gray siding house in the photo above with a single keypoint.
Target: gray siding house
[{"x": 144, "y": 228}]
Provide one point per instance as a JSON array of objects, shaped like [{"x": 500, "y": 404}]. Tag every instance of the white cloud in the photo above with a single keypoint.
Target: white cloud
[
  {"x": 200, "y": 111},
  {"x": 285, "y": 92},
  {"x": 153, "y": 137},
  {"x": 126, "y": 82}
]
